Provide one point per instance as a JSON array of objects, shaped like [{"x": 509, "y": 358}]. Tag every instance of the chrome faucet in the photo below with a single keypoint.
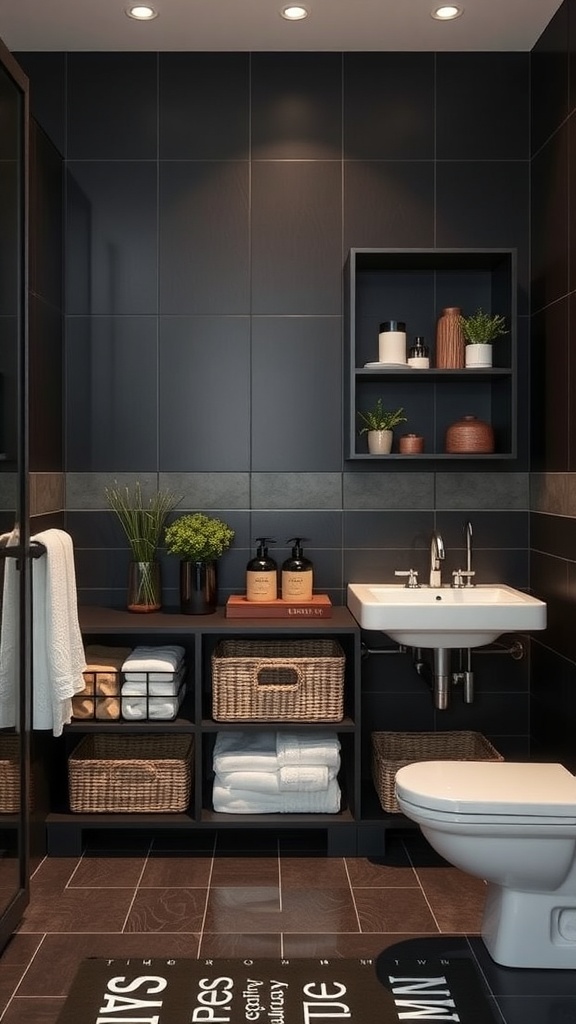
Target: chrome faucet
[
  {"x": 469, "y": 573},
  {"x": 436, "y": 556}
]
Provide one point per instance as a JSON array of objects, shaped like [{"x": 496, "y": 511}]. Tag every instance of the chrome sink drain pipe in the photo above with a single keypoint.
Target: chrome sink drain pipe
[{"x": 441, "y": 677}]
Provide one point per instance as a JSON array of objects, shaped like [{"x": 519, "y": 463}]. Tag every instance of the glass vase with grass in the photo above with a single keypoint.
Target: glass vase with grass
[{"x": 142, "y": 520}]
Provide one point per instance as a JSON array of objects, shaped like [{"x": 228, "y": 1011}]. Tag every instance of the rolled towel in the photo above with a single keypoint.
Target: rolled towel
[
  {"x": 170, "y": 688},
  {"x": 305, "y": 778},
  {"x": 104, "y": 658},
  {"x": 239, "y": 751},
  {"x": 314, "y": 747},
  {"x": 107, "y": 708},
  {"x": 317, "y": 779},
  {"x": 82, "y": 707},
  {"x": 153, "y": 659},
  {"x": 246, "y": 801},
  {"x": 164, "y": 708}
]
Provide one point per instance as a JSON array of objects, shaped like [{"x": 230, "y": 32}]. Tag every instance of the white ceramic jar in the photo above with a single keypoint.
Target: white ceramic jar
[{"x": 392, "y": 342}]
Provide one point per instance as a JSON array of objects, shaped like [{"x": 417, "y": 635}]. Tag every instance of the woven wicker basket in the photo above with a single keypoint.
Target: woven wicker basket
[
  {"x": 130, "y": 774},
  {"x": 9, "y": 774},
  {"x": 393, "y": 750},
  {"x": 288, "y": 681}
]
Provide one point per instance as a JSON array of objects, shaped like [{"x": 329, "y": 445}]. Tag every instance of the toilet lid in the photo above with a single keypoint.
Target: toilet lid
[{"x": 489, "y": 787}]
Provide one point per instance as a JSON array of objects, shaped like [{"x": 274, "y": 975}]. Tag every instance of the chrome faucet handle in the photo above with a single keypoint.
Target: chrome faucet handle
[
  {"x": 412, "y": 575},
  {"x": 459, "y": 575}
]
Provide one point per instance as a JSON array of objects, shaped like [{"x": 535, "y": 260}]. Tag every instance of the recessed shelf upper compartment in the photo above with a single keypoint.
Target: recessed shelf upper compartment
[{"x": 414, "y": 286}]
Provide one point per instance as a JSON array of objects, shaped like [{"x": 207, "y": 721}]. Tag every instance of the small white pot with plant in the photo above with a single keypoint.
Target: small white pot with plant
[
  {"x": 479, "y": 331},
  {"x": 378, "y": 425}
]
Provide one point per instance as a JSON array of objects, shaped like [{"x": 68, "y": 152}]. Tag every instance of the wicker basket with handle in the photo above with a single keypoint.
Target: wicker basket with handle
[
  {"x": 130, "y": 774},
  {"x": 393, "y": 750},
  {"x": 291, "y": 680}
]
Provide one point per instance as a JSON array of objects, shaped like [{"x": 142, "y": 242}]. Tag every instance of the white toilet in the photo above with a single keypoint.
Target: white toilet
[{"x": 513, "y": 825}]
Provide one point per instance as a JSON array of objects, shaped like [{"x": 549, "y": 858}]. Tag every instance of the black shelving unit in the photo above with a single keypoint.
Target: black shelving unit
[{"x": 414, "y": 285}]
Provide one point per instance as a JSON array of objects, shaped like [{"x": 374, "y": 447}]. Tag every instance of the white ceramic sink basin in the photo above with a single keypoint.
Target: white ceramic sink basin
[{"x": 444, "y": 616}]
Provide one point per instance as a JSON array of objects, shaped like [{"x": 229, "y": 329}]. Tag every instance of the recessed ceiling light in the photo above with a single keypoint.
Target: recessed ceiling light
[
  {"x": 141, "y": 12},
  {"x": 294, "y": 12},
  {"x": 447, "y": 12}
]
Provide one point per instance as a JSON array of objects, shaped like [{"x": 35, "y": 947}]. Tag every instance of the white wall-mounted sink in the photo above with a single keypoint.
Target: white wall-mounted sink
[{"x": 444, "y": 616}]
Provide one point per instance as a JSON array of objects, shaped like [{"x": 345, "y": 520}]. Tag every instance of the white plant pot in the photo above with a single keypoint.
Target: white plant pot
[
  {"x": 478, "y": 355},
  {"x": 380, "y": 442}
]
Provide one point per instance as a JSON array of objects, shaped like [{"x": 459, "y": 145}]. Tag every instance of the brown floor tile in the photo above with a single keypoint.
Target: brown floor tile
[
  {"x": 20, "y": 949},
  {"x": 456, "y": 899},
  {"x": 68, "y": 951},
  {"x": 53, "y": 875},
  {"x": 402, "y": 910},
  {"x": 364, "y": 872},
  {"x": 310, "y": 873},
  {"x": 167, "y": 910},
  {"x": 10, "y": 977},
  {"x": 97, "y": 872},
  {"x": 80, "y": 910},
  {"x": 243, "y": 908},
  {"x": 166, "y": 870},
  {"x": 33, "y": 1011},
  {"x": 318, "y": 910},
  {"x": 250, "y": 871},
  {"x": 343, "y": 945},
  {"x": 242, "y": 945}
]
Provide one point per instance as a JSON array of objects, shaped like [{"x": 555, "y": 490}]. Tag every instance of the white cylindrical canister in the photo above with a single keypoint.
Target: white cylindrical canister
[{"x": 392, "y": 342}]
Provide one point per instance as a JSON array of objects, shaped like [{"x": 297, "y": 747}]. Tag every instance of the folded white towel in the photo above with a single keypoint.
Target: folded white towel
[
  {"x": 314, "y": 747},
  {"x": 235, "y": 750},
  {"x": 164, "y": 708},
  {"x": 154, "y": 659},
  {"x": 313, "y": 779},
  {"x": 131, "y": 688},
  {"x": 305, "y": 778},
  {"x": 246, "y": 801}
]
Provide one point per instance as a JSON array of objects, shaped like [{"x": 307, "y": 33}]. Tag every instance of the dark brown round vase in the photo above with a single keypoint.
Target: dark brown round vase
[
  {"x": 469, "y": 436},
  {"x": 198, "y": 588}
]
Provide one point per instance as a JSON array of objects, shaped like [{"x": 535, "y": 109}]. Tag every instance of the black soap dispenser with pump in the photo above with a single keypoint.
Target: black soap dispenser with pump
[
  {"x": 262, "y": 573},
  {"x": 297, "y": 574}
]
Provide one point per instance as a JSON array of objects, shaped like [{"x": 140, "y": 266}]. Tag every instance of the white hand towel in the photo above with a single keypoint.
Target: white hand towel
[
  {"x": 313, "y": 779},
  {"x": 58, "y": 658},
  {"x": 314, "y": 747},
  {"x": 9, "y": 615},
  {"x": 237, "y": 751},
  {"x": 246, "y": 801},
  {"x": 166, "y": 658},
  {"x": 154, "y": 689}
]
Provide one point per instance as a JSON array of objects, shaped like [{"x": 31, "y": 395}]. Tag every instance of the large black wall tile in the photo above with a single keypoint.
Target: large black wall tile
[
  {"x": 550, "y": 220},
  {"x": 45, "y": 400},
  {"x": 204, "y": 413},
  {"x": 47, "y": 80},
  {"x": 371, "y": 529},
  {"x": 204, "y": 106},
  {"x": 45, "y": 264},
  {"x": 111, "y": 237},
  {"x": 389, "y": 106},
  {"x": 296, "y": 237},
  {"x": 112, "y": 106},
  {"x": 549, "y": 581},
  {"x": 482, "y": 106},
  {"x": 111, "y": 394},
  {"x": 296, "y": 394},
  {"x": 484, "y": 205},
  {"x": 296, "y": 106},
  {"x": 549, "y": 78},
  {"x": 388, "y": 204},
  {"x": 554, "y": 535},
  {"x": 204, "y": 238},
  {"x": 550, "y": 398}
]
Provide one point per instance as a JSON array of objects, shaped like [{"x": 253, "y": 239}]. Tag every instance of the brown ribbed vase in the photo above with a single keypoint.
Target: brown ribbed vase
[
  {"x": 469, "y": 436},
  {"x": 450, "y": 347}
]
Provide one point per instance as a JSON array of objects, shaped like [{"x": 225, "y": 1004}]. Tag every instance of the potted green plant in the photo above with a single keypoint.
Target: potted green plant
[
  {"x": 479, "y": 331},
  {"x": 198, "y": 540},
  {"x": 378, "y": 424},
  {"x": 142, "y": 520}
]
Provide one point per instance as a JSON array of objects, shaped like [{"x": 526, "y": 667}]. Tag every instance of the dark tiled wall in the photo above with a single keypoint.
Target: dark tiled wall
[
  {"x": 553, "y": 522},
  {"x": 211, "y": 200}
]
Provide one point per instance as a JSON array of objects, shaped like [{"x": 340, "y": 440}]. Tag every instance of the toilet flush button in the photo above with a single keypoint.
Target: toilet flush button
[{"x": 567, "y": 925}]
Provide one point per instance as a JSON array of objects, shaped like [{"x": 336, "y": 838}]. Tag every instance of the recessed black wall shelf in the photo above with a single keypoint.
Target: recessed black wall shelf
[{"x": 414, "y": 285}]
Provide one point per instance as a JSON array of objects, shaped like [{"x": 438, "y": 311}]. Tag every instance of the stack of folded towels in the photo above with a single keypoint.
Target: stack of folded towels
[
  {"x": 100, "y": 697},
  {"x": 268, "y": 772},
  {"x": 153, "y": 685}
]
